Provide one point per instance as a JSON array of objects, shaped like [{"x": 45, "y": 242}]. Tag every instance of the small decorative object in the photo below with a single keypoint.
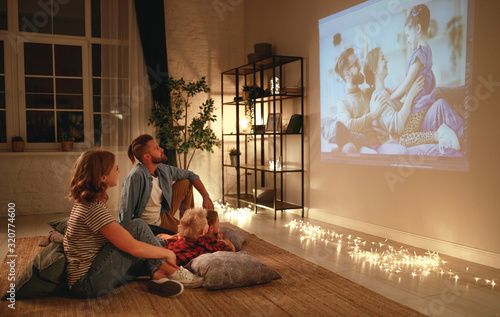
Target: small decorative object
[
  {"x": 275, "y": 86},
  {"x": 233, "y": 156},
  {"x": 275, "y": 165},
  {"x": 273, "y": 122},
  {"x": 295, "y": 124},
  {"x": 243, "y": 124},
  {"x": 259, "y": 128},
  {"x": 17, "y": 143},
  {"x": 261, "y": 51},
  {"x": 265, "y": 49},
  {"x": 292, "y": 90},
  {"x": 67, "y": 139}
]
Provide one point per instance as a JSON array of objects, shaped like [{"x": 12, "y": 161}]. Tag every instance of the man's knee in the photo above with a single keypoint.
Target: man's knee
[
  {"x": 183, "y": 182},
  {"x": 135, "y": 224}
]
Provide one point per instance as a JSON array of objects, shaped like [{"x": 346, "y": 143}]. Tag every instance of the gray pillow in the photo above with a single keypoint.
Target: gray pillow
[
  {"x": 225, "y": 269},
  {"x": 59, "y": 225},
  {"x": 236, "y": 237},
  {"x": 44, "y": 275}
]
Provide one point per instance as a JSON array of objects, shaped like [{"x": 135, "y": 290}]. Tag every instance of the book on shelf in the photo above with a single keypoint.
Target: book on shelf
[
  {"x": 295, "y": 124},
  {"x": 292, "y": 90}
]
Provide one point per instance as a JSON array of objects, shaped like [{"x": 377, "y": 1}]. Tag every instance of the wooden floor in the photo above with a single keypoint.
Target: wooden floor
[{"x": 455, "y": 288}]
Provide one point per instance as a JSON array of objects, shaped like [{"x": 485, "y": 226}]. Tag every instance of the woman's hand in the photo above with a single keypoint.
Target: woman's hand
[
  {"x": 416, "y": 87},
  {"x": 170, "y": 257}
]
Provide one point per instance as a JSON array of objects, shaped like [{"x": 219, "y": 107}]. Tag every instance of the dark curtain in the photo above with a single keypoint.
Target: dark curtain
[{"x": 151, "y": 21}]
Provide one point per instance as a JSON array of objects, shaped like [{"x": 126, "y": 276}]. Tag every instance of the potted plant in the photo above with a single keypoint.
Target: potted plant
[
  {"x": 17, "y": 143},
  {"x": 67, "y": 139},
  {"x": 246, "y": 91},
  {"x": 176, "y": 130},
  {"x": 254, "y": 92},
  {"x": 233, "y": 156}
]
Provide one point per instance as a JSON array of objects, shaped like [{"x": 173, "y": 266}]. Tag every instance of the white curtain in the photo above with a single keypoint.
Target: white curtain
[{"x": 126, "y": 93}]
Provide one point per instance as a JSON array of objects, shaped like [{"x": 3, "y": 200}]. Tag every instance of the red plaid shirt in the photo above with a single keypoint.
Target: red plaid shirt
[{"x": 186, "y": 250}]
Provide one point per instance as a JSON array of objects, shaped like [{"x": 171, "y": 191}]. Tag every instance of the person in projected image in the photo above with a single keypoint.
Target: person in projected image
[
  {"x": 391, "y": 123},
  {"x": 429, "y": 121},
  {"x": 352, "y": 130}
]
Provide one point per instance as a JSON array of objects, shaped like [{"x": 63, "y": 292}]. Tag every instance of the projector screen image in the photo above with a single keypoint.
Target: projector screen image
[{"x": 395, "y": 78}]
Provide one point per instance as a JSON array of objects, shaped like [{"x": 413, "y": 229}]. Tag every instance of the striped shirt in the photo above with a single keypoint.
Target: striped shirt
[{"x": 83, "y": 239}]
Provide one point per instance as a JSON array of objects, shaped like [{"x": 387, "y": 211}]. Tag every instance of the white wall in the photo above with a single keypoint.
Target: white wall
[
  {"x": 205, "y": 38},
  {"x": 455, "y": 213}
]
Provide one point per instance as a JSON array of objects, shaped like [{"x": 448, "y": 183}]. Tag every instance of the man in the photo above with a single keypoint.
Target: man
[
  {"x": 353, "y": 128},
  {"x": 148, "y": 193}
]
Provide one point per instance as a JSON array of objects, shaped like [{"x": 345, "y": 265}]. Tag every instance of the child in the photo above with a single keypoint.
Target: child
[
  {"x": 101, "y": 254},
  {"x": 214, "y": 230},
  {"x": 193, "y": 242},
  {"x": 420, "y": 64}
]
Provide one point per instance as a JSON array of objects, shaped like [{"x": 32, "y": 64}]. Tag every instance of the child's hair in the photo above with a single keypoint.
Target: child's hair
[
  {"x": 139, "y": 147},
  {"x": 192, "y": 223},
  {"x": 212, "y": 216},
  {"x": 419, "y": 14},
  {"x": 342, "y": 61},
  {"x": 86, "y": 184},
  {"x": 371, "y": 64}
]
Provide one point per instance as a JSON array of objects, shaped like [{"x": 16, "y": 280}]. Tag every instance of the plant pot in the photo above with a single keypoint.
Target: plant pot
[
  {"x": 17, "y": 146},
  {"x": 245, "y": 94},
  {"x": 67, "y": 146},
  {"x": 234, "y": 160}
]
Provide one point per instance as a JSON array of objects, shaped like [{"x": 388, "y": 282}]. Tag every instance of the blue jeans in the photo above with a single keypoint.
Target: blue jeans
[{"x": 113, "y": 267}]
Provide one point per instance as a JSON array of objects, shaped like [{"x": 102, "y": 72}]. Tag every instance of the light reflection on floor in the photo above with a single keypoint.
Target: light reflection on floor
[{"x": 434, "y": 284}]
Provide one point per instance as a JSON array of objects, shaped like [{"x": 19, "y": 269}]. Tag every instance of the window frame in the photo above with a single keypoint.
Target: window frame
[
  {"x": 15, "y": 94},
  {"x": 87, "y": 105}
]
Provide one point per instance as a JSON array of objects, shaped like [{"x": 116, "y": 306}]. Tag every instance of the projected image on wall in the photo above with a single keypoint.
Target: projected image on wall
[{"x": 394, "y": 80}]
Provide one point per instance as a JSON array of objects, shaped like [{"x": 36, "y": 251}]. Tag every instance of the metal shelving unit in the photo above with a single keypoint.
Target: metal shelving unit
[{"x": 252, "y": 173}]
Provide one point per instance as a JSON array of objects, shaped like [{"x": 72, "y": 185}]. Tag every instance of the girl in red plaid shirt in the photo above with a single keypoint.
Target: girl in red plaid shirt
[{"x": 193, "y": 242}]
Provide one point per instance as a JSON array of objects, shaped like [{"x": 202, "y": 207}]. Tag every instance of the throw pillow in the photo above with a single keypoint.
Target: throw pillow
[
  {"x": 59, "y": 225},
  {"x": 223, "y": 269},
  {"x": 44, "y": 275},
  {"x": 236, "y": 237}
]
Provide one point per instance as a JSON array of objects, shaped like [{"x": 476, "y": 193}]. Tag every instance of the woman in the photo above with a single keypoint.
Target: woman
[
  {"x": 392, "y": 123},
  {"x": 102, "y": 255}
]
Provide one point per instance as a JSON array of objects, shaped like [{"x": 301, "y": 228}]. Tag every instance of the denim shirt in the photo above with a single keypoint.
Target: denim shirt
[{"x": 137, "y": 187}]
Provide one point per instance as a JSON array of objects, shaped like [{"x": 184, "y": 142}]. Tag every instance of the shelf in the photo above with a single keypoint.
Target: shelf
[
  {"x": 264, "y": 168},
  {"x": 257, "y": 148},
  {"x": 261, "y": 134},
  {"x": 268, "y": 63},
  {"x": 280, "y": 205},
  {"x": 266, "y": 99}
]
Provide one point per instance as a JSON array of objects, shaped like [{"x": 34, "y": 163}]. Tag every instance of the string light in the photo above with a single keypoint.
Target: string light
[
  {"x": 381, "y": 254},
  {"x": 228, "y": 211}
]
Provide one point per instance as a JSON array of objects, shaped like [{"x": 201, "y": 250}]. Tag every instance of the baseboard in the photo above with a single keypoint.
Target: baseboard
[{"x": 443, "y": 247}]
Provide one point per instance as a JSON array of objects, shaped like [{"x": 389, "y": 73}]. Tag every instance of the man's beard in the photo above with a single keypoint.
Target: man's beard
[
  {"x": 358, "y": 79},
  {"x": 162, "y": 159}
]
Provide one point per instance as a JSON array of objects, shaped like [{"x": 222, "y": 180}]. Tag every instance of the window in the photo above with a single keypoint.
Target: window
[
  {"x": 52, "y": 17},
  {"x": 54, "y": 91},
  {"x": 54, "y": 53}
]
